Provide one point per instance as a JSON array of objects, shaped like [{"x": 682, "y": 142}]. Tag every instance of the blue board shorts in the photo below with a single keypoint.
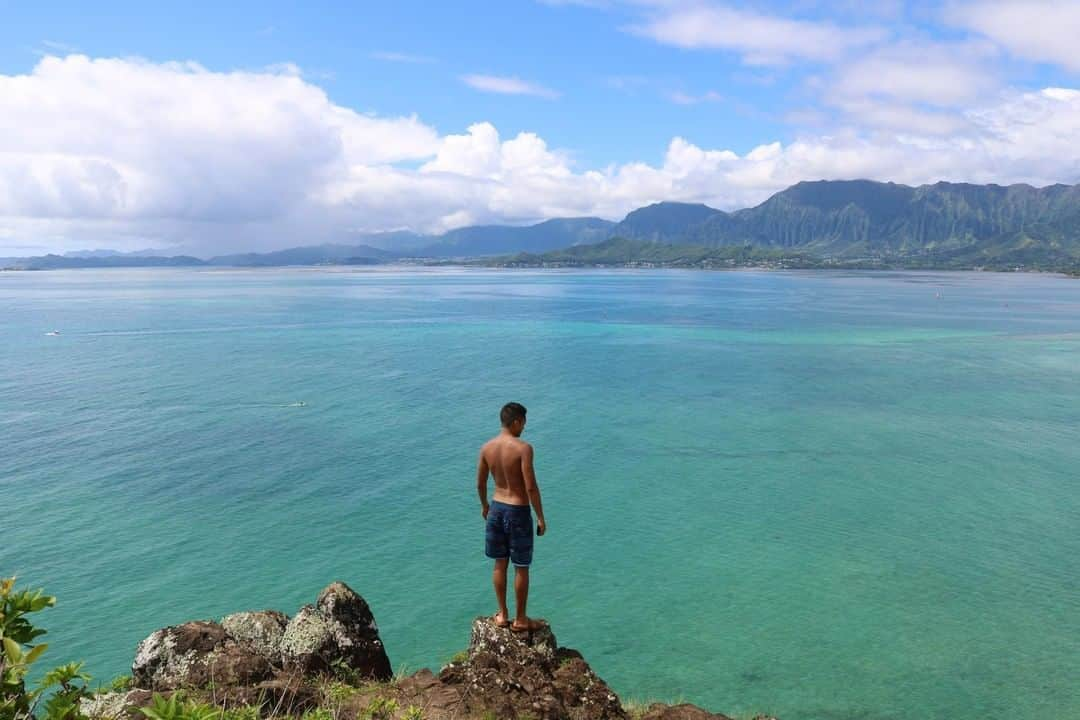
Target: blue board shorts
[{"x": 509, "y": 533}]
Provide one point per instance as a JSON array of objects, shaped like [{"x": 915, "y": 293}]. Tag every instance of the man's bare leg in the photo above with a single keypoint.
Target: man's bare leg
[
  {"x": 521, "y": 593},
  {"x": 498, "y": 579}
]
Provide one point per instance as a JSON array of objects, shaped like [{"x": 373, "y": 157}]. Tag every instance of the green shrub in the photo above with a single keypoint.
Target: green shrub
[
  {"x": 345, "y": 672},
  {"x": 379, "y": 709},
  {"x": 120, "y": 683},
  {"x": 414, "y": 712},
  {"x": 338, "y": 692},
  {"x": 18, "y": 655},
  {"x": 247, "y": 712},
  {"x": 178, "y": 707}
]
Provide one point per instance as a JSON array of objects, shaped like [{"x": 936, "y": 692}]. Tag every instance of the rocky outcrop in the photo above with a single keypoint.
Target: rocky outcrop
[
  {"x": 260, "y": 631},
  {"x": 194, "y": 655},
  {"x": 122, "y": 705},
  {"x": 528, "y": 675},
  {"x": 329, "y": 655},
  {"x": 338, "y": 633},
  {"x": 487, "y": 637},
  {"x": 338, "y": 629}
]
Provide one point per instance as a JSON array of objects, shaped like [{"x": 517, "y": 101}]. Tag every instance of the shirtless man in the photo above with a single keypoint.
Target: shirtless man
[{"x": 509, "y": 530}]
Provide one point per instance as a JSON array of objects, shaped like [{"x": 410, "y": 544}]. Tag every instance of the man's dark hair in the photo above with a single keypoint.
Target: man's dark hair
[{"x": 510, "y": 412}]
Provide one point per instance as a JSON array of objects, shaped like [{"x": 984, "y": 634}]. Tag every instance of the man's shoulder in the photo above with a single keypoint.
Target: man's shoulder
[{"x": 491, "y": 443}]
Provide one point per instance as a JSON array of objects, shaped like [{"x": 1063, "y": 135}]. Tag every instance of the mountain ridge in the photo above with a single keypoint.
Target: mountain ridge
[
  {"x": 496, "y": 239},
  {"x": 850, "y": 219},
  {"x": 944, "y": 224}
]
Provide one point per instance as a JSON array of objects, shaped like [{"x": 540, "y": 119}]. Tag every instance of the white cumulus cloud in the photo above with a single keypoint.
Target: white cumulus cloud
[{"x": 126, "y": 153}]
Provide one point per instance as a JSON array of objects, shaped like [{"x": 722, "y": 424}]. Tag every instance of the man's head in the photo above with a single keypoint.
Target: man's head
[{"x": 512, "y": 417}]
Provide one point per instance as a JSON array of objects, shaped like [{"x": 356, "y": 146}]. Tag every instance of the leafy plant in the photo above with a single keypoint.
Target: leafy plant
[
  {"x": 345, "y": 672},
  {"x": 338, "y": 692},
  {"x": 379, "y": 709},
  {"x": 120, "y": 683},
  {"x": 245, "y": 712},
  {"x": 19, "y": 653},
  {"x": 414, "y": 712},
  {"x": 178, "y": 707},
  {"x": 318, "y": 714}
]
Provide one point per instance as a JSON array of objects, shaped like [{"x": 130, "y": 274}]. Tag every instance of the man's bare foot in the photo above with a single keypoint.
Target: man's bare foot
[
  {"x": 528, "y": 625},
  {"x": 500, "y": 620}
]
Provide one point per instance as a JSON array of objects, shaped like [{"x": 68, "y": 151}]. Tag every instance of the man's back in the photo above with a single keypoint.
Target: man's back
[
  {"x": 508, "y": 527},
  {"x": 504, "y": 456}
]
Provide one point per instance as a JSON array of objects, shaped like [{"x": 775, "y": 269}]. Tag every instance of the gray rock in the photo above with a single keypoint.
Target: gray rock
[
  {"x": 169, "y": 653},
  {"x": 338, "y": 629},
  {"x": 531, "y": 646},
  {"x": 194, "y": 655},
  {"x": 516, "y": 675},
  {"x": 305, "y": 635},
  {"x": 114, "y": 705},
  {"x": 260, "y": 630}
]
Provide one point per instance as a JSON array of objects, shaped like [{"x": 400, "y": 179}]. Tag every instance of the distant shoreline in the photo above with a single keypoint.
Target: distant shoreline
[
  {"x": 826, "y": 267},
  {"x": 1068, "y": 273}
]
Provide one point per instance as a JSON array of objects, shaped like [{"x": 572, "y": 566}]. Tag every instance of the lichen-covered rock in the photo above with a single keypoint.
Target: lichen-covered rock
[
  {"x": 285, "y": 694},
  {"x": 115, "y": 705},
  {"x": 305, "y": 636},
  {"x": 194, "y": 655},
  {"x": 265, "y": 659},
  {"x": 515, "y": 675},
  {"x": 683, "y": 711},
  {"x": 339, "y": 628},
  {"x": 259, "y": 630},
  {"x": 168, "y": 654},
  {"x": 236, "y": 664},
  {"x": 487, "y": 636},
  {"x": 583, "y": 692}
]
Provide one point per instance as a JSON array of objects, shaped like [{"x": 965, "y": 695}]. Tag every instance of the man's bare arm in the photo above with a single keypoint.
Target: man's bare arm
[
  {"x": 482, "y": 472},
  {"x": 532, "y": 489}
]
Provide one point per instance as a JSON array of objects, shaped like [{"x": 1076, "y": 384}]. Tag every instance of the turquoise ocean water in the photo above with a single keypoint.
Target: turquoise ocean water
[{"x": 831, "y": 496}]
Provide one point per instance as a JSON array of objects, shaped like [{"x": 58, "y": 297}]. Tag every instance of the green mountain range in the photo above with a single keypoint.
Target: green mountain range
[
  {"x": 60, "y": 262},
  {"x": 941, "y": 225},
  {"x": 496, "y": 239},
  {"x": 328, "y": 254},
  {"x": 838, "y": 223},
  {"x": 619, "y": 251}
]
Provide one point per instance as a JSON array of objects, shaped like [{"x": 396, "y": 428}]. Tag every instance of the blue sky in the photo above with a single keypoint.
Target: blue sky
[
  {"x": 613, "y": 87},
  {"x": 224, "y": 126}
]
